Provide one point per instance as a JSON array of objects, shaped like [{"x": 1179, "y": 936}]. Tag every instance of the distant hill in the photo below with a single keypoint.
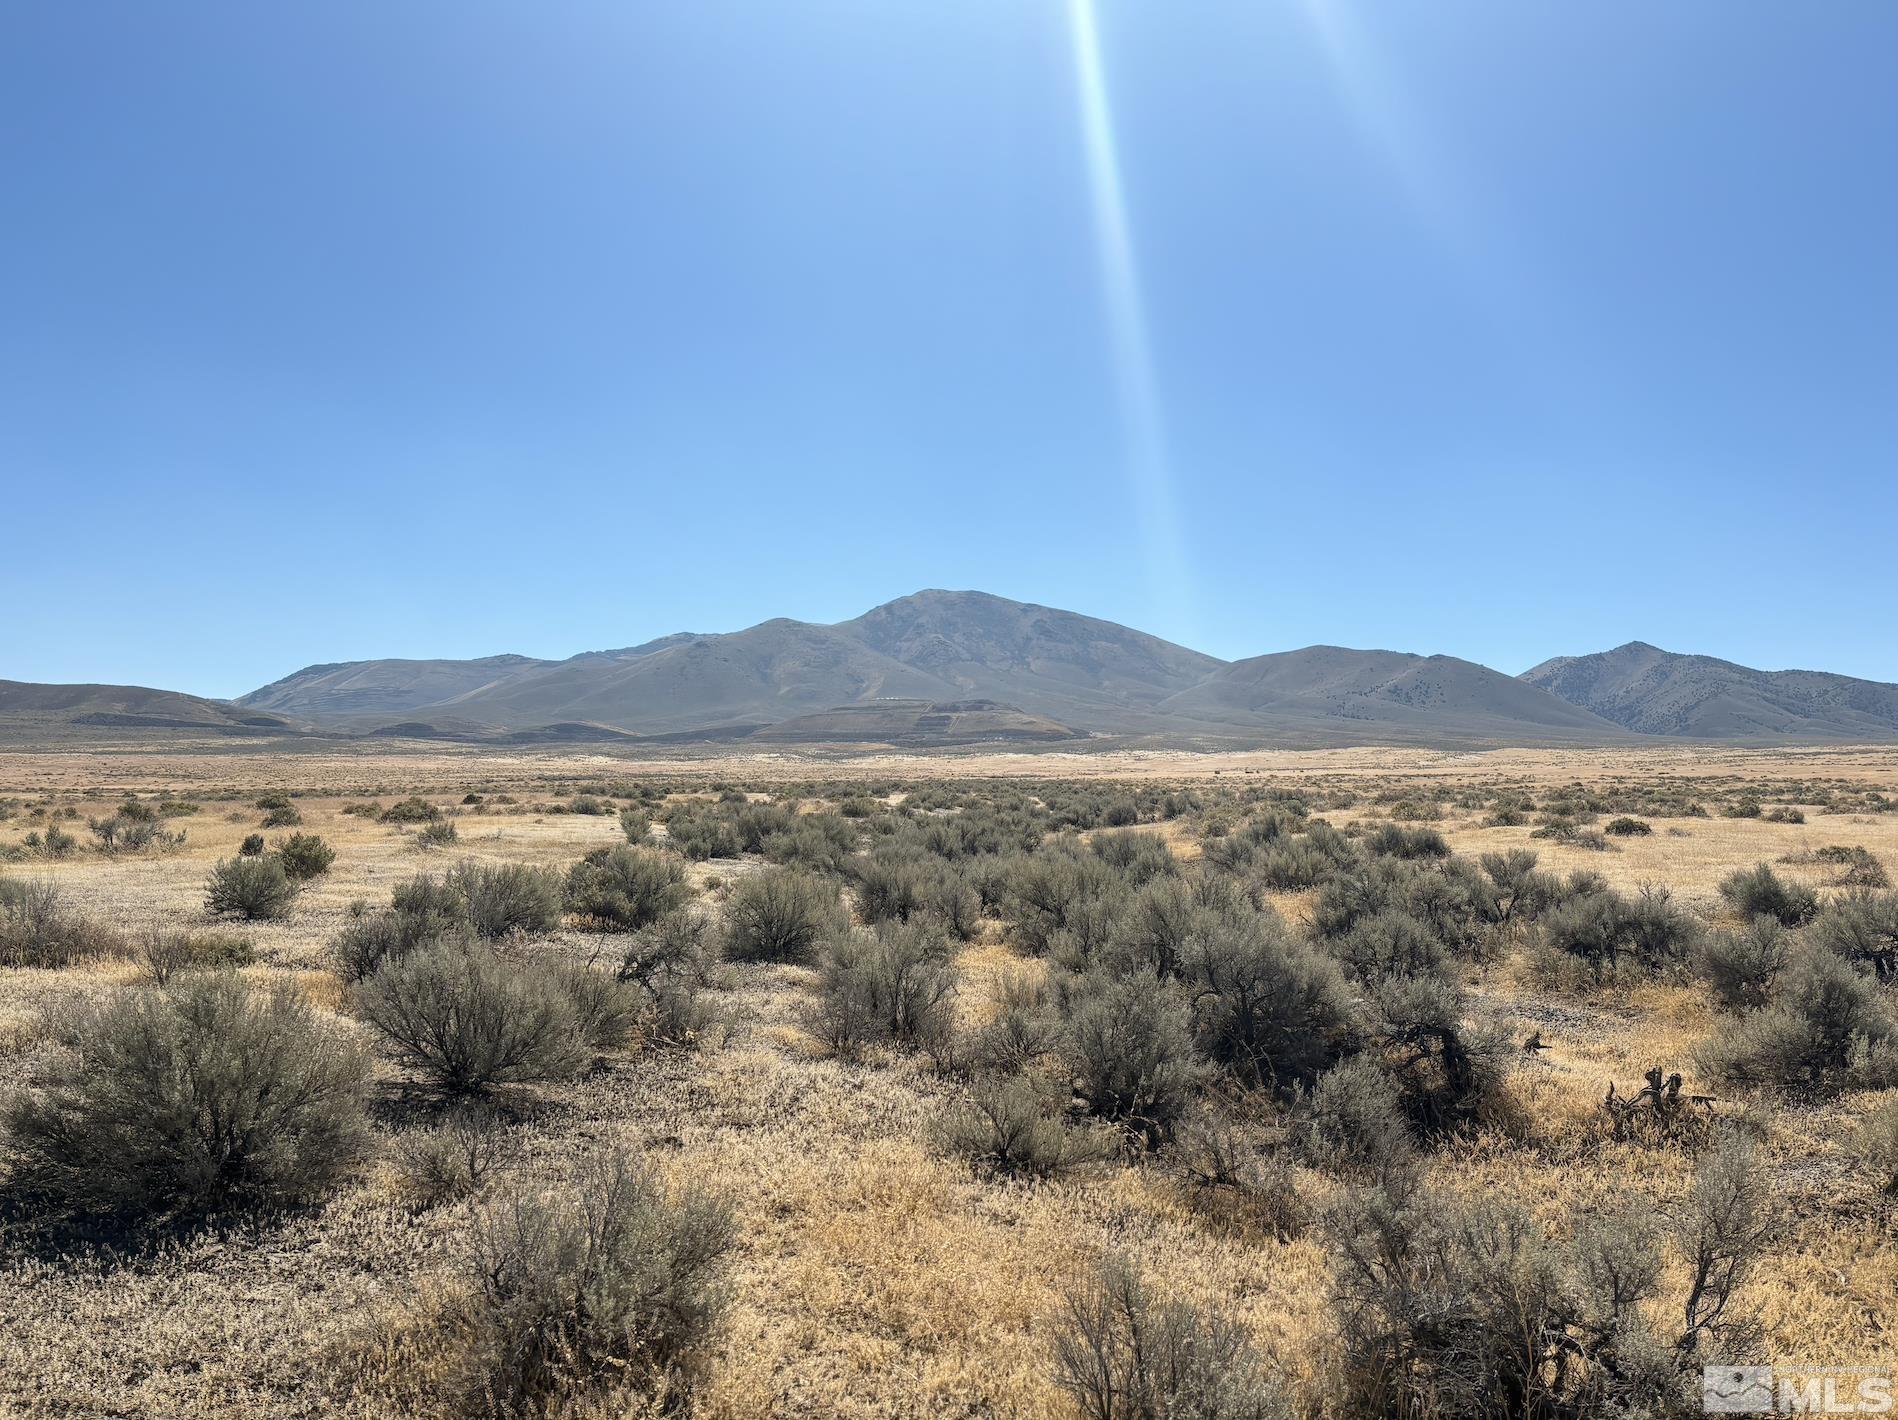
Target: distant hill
[
  {"x": 1074, "y": 668},
  {"x": 1331, "y": 693},
  {"x": 633, "y": 653},
  {"x": 1656, "y": 692},
  {"x": 916, "y": 723},
  {"x": 380, "y": 688},
  {"x": 27, "y": 708},
  {"x": 770, "y": 672}
]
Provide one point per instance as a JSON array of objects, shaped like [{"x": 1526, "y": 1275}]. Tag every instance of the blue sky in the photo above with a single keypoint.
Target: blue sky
[{"x": 444, "y": 327}]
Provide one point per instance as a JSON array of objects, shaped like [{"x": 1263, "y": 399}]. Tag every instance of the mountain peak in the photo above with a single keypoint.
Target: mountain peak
[
  {"x": 1666, "y": 693},
  {"x": 1073, "y": 668}
]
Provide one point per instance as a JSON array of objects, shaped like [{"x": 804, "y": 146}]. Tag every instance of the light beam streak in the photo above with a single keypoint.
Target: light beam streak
[{"x": 1149, "y": 467}]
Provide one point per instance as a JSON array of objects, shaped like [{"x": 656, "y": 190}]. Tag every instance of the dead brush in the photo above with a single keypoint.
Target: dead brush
[
  {"x": 607, "y": 1287},
  {"x": 38, "y": 927},
  {"x": 1024, "y": 1025},
  {"x": 1240, "y": 1171},
  {"x": 1121, "y": 1352},
  {"x": 164, "y": 953},
  {"x": 454, "y": 1160},
  {"x": 1012, "y": 1127},
  {"x": 1659, "y": 1113},
  {"x": 671, "y": 963},
  {"x": 1875, "y": 1148}
]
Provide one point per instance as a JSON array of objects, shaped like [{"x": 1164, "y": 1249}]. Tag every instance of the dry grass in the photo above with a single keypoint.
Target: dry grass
[
  {"x": 873, "y": 1277},
  {"x": 394, "y": 767}
]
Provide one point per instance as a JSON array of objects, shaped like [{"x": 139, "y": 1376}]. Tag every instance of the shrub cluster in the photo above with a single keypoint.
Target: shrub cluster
[
  {"x": 1448, "y": 1307},
  {"x": 305, "y": 856},
  {"x": 135, "y": 828},
  {"x": 1820, "y": 1024},
  {"x": 1609, "y": 933},
  {"x": 201, "y": 1095},
  {"x": 471, "y": 901},
  {"x": 411, "y": 810},
  {"x": 889, "y": 985},
  {"x": 1760, "y": 892},
  {"x": 279, "y": 812},
  {"x": 470, "y": 1020}
]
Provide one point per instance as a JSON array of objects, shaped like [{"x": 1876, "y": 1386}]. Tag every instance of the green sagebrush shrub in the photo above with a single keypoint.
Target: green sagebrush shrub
[
  {"x": 202, "y": 1095},
  {"x": 255, "y": 889},
  {"x": 623, "y": 888},
  {"x": 781, "y": 915}
]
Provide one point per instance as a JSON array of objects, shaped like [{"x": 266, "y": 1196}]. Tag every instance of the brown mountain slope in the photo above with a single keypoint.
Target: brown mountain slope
[
  {"x": 934, "y": 646},
  {"x": 770, "y": 672},
  {"x": 27, "y": 708},
  {"x": 1333, "y": 694},
  {"x": 383, "y": 687},
  {"x": 1073, "y": 668},
  {"x": 372, "y": 691},
  {"x": 943, "y": 647},
  {"x": 917, "y": 723},
  {"x": 1664, "y": 693}
]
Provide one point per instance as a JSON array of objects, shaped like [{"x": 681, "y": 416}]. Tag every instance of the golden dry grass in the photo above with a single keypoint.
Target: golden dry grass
[{"x": 874, "y": 1278}]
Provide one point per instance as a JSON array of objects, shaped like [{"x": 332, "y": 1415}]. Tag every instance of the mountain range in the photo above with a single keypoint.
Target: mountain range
[{"x": 945, "y": 667}]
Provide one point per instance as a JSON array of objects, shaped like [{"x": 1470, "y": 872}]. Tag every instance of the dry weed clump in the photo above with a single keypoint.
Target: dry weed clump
[
  {"x": 1125, "y": 1354},
  {"x": 672, "y": 963},
  {"x": 1875, "y": 1146},
  {"x": 455, "y": 1159},
  {"x": 39, "y": 927},
  {"x": 609, "y": 1284},
  {"x": 1226, "y": 1160},
  {"x": 165, "y": 952},
  {"x": 1010, "y": 1126}
]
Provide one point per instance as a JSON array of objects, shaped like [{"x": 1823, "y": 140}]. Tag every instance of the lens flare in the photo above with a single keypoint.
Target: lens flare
[
  {"x": 1147, "y": 458},
  {"x": 1441, "y": 194}
]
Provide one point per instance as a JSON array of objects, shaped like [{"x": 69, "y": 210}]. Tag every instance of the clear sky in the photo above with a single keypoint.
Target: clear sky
[{"x": 446, "y": 327}]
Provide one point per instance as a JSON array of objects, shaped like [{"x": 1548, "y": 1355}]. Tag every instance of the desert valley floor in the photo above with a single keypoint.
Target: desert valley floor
[{"x": 874, "y": 1270}]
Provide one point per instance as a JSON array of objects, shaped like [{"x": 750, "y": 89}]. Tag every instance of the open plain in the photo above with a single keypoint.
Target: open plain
[{"x": 878, "y": 1265}]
